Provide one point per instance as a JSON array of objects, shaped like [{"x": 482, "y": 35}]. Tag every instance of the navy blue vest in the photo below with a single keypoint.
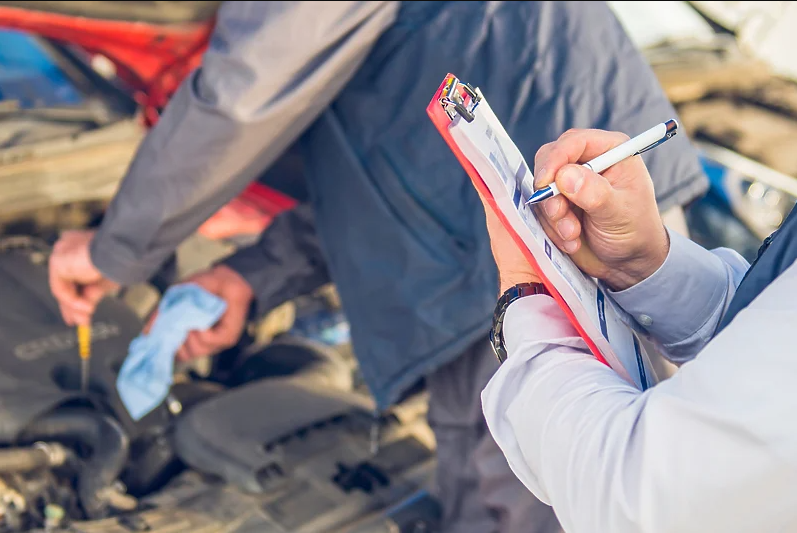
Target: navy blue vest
[
  {"x": 401, "y": 226},
  {"x": 776, "y": 254}
]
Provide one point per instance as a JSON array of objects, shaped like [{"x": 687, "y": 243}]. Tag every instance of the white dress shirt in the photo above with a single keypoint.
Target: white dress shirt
[{"x": 712, "y": 449}]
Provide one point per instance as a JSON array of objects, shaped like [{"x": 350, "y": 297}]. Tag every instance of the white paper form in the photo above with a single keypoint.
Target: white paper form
[{"x": 485, "y": 143}]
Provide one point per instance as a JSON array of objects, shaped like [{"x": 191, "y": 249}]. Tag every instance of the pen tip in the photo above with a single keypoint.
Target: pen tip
[
  {"x": 538, "y": 196},
  {"x": 672, "y": 126}
]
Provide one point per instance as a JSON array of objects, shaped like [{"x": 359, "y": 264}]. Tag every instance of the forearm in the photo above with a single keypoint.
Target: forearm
[
  {"x": 271, "y": 69},
  {"x": 677, "y": 458},
  {"x": 285, "y": 263}
]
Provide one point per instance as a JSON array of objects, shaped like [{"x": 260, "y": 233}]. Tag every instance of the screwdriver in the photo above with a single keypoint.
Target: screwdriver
[{"x": 84, "y": 349}]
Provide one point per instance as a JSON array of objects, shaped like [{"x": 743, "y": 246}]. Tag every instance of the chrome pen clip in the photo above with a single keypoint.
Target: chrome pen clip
[
  {"x": 672, "y": 130},
  {"x": 453, "y": 102}
]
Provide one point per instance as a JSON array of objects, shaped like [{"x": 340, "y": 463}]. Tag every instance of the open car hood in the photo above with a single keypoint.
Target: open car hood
[
  {"x": 152, "y": 46},
  {"x": 160, "y": 12}
]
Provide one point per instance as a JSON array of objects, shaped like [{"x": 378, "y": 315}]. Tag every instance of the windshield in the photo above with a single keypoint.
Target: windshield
[{"x": 29, "y": 76}]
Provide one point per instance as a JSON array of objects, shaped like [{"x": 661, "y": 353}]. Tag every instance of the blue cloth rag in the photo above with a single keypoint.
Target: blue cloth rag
[{"x": 146, "y": 375}]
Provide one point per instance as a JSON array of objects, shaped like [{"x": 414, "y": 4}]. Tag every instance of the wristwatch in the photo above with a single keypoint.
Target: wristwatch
[{"x": 512, "y": 294}]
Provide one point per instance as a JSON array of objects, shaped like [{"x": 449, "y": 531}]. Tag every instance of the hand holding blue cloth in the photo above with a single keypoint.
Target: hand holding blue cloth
[{"x": 147, "y": 373}]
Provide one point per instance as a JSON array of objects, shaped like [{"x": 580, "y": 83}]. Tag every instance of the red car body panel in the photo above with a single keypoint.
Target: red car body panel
[{"x": 153, "y": 59}]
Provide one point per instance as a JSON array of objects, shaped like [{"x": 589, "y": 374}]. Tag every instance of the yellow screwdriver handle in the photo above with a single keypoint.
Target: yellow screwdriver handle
[{"x": 84, "y": 341}]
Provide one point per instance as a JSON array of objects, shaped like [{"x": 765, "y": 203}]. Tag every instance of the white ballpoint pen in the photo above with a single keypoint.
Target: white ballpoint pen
[{"x": 643, "y": 142}]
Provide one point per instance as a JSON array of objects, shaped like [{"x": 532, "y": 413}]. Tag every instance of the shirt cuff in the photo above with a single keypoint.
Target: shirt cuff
[
  {"x": 114, "y": 261},
  {"x": 534, "y": 319},
  {"x": 255, "y": 269},
  {"x": 679, "y": 298}
]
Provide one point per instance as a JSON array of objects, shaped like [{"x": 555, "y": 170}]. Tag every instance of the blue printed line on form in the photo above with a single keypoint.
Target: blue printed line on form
[{"x": 602, "y": 314}]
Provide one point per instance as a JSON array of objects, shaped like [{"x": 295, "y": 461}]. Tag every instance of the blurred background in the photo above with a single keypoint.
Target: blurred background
[
  {"x": 77, "y": 95},
  {"x": 730, "y": 71}
]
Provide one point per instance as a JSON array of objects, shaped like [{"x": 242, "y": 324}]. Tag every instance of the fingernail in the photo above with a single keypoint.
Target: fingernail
[
  {"x": 551, "y": 207},
  {"x": 538, "y": 177},
  {"x": 572, "y": 180},
  {"x": 570, "y": 246},
  {"x": 565, "y": 228}
]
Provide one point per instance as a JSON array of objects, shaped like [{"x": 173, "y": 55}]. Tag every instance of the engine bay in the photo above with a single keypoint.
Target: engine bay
[{"x": 297, "y": 449}]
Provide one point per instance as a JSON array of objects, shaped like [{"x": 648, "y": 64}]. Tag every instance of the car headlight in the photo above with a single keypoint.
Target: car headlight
[{"x": 759, "y": 196}]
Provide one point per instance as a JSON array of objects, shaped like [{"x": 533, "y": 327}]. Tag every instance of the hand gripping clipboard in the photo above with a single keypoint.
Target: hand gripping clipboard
[{"x": 498, "y": 171}]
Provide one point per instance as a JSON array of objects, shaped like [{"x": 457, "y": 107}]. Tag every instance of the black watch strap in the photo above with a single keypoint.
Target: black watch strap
[{"x": 512, "y": 294}]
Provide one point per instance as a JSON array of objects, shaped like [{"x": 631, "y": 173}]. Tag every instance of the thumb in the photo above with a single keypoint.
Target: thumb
[
  {"x": 95, "y": 292},
  {"x": 590, "y": 191}
]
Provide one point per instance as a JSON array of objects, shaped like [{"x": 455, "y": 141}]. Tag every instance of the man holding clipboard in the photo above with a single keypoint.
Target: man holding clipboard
[{"x": 710, "y": 449}]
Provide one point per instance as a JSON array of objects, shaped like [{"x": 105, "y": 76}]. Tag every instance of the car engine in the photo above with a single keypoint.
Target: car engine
[
  {"x": 308, "y": 452},
  {"x": 64, "y": 452}
]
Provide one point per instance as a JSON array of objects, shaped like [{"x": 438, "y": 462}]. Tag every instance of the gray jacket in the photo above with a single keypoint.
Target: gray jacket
[{"x": 400, "y": 226}]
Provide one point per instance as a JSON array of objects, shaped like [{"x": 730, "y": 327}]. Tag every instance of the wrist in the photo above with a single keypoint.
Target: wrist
[
  {"x": 509, "y": 296},
  {"x": 510, "y": 279},
  {"x": 230, "y": 276},
  {"x": 640, "y": 268}
]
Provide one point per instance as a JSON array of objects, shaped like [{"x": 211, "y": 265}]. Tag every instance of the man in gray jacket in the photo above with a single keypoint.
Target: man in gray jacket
[{"x": 393, "y": 219}]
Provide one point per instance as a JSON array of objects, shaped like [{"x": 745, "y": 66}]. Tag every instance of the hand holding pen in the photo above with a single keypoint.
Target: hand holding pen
[
  {"x": 648, "y": 140},
  {"x": 608, "y": 223}
]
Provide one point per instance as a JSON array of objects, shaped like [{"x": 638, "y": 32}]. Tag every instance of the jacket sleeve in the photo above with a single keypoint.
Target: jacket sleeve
[
  {"x": 270, "y": 70},
  {"x": 681, "y": 322},
  {"x": 285, "y": 263}
]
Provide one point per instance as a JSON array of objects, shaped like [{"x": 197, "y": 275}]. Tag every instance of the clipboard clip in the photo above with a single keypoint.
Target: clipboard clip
[{"x": 454, "y": 103}]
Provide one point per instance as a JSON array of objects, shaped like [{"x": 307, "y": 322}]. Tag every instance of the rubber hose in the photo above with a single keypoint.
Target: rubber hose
[
  {"x": 109, "y": 451},
  {"x": 23, "y": 459}
]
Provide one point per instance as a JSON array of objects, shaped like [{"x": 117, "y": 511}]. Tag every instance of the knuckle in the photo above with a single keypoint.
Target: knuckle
[
  {"x": 576, "y": 225},
  {"x": 622, "y": 137},
  {"x": 541, "y": 153},
  {"x": 558, "y": 154},
  {"x": 598, "y": 200},
  {"x": 200, "y": 278},
  {"x": 552, "y": 209}
]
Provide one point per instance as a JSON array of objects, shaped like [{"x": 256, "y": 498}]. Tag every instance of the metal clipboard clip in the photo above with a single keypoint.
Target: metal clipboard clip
[{"x": 455, "y": 104}]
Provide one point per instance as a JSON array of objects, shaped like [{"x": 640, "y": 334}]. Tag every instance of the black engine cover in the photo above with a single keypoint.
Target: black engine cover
[{"x": 39, "y": 362}]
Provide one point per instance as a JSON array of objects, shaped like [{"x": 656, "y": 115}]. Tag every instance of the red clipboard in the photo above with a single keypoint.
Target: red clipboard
[{"x": 455, "y": 98}]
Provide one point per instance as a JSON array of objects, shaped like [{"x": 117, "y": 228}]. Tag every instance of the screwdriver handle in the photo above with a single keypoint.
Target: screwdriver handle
[
  {"x": 84, "y": 341},
  {"x": 84, "y": 349}
]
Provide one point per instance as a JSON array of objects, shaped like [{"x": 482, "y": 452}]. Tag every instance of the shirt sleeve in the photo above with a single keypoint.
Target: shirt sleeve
[
  {"x": 270, "y": 70},
  {"x": 680, "y": 306},
  {"x": 706, "y": 450},
  {"x": 285, "y": 263}
]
